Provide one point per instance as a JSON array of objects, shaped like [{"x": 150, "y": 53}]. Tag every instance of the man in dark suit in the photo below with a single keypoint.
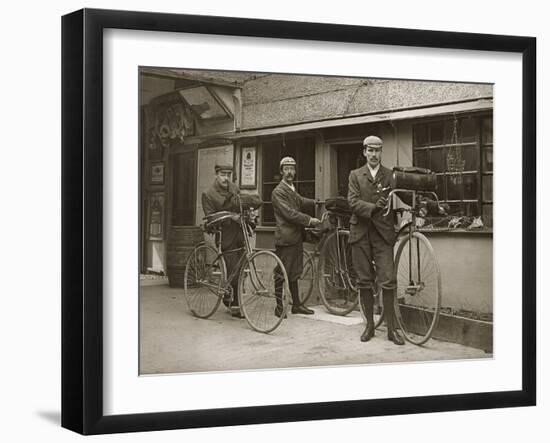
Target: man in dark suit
[
  {"x": 372, "y": 236},
  {"x": 222, "y": 196},
  {"x": 289, "y": 207}
]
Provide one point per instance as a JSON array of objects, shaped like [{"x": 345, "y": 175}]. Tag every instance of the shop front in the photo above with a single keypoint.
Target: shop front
[{"x": 452, "y": 137}]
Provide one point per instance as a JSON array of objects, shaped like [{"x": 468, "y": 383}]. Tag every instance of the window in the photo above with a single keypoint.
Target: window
[
  {"x": 303, "y": 151},
  {"x": 460, "y": 152}
]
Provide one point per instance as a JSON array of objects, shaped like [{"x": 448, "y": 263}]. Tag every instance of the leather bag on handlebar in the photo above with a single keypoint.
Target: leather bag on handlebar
[{"x": 414, "y": 179}]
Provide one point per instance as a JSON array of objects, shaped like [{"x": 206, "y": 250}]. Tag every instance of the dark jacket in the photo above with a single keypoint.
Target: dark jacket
[
  {"x": 217, "y": 199},
  {"x": 288, "y": 207},
  {"x": 363, "y": 193}
]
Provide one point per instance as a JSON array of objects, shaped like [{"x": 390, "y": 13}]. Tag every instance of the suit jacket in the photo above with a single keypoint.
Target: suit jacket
[
  {"x": 363, "y": 193},
  {"x": 288, "y": 207},
  {"x": 217, "y": 199}
]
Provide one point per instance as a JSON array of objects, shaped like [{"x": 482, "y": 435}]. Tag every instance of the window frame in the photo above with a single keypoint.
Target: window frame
[{"x": 479, "y": 203}]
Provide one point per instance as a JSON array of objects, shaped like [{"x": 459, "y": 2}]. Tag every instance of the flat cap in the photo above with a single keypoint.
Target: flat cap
[
  {"x": 223, "y": 167},
  {"x": 373, "y": 141},
  {"x": 287, "y": 161}
]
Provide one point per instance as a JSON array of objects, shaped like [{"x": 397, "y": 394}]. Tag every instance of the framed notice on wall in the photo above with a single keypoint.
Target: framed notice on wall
[
  {"x": 157, "y": 173},
  {"x": 248, "y": 167},
  {"x": 156, "y": 216}
]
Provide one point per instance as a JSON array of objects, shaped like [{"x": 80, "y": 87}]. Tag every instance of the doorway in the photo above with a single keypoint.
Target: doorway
[
  {"x": 184, "y": 182},
  {"x": 349, "y": 156}
]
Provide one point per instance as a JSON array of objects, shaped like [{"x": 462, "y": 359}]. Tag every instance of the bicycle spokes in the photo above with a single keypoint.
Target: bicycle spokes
[
  {"x": 204, "y": 281},
  {"x": 336, "y": 281},
  {"x": 418, "y": 297},
  {"x": 263, "y": 286}
]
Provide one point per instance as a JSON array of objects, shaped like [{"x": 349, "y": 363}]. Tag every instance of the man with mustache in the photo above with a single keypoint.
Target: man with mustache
[
  {"x": 289, "y": 207},
  {"x": 372, "y": 236},
  {"x": 222, "y": 196}
]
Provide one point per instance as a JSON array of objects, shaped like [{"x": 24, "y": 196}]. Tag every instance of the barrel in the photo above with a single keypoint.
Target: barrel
[{"x": 181, "y": 241}]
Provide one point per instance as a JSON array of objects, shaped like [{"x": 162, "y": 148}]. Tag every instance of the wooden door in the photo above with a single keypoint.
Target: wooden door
[{"x": 184, "y": 181}]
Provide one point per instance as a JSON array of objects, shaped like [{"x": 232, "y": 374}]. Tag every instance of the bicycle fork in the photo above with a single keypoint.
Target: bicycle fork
[
  {"x": 413, "y": 287},
  {"x": 342, "y": 263}
]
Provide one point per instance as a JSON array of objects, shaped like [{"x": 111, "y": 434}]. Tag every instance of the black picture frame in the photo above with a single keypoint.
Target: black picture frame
[{"x": 82, "y": 218}]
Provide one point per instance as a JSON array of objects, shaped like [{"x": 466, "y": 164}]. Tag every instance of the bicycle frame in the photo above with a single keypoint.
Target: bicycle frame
[{"x": 247, "y": 232}]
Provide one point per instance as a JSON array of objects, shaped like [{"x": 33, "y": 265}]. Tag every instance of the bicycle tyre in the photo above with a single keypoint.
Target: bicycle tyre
[
  {"x": 307, "y": 278},
  {"x": 257, "y": 291},
  {"x": 204, "y": 280},
  {"x": 418, "y": 297},
  {"x": 335, "y": 281}
]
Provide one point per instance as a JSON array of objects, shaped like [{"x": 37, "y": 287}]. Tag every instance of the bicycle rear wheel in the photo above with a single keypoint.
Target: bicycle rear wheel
[
  {"x": 418, "y": 298},
  {"x": 204, "y": 280},
  {"x": 263, "y": 291},
  {"x": 336, "y": 278},
  {"x": 305, "y": 283}
]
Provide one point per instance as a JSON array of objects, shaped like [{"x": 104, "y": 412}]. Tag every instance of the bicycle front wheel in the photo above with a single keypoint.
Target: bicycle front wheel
[
  {"x": 336, "y": 277},
  {"x": 263, "y": 290},
  {"x": 204, "y": 280},
  {"x": 418, "y": 298},
  {"x": 305, "y": 283}
]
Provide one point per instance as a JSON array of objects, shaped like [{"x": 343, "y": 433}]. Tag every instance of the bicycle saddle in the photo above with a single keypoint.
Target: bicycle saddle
[{"x": 213, "y": 220}]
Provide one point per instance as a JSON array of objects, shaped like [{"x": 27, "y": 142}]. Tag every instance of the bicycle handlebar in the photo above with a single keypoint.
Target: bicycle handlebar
[{"x": 389, "y": 204}]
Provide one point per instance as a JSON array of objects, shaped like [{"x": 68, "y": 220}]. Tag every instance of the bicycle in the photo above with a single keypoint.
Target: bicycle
[
  {"x": 416, "y": 273},
  {"x": 206, "y": 282},
  {"x": 333, "y": 273},
  {"x": 335, "y": 278}
]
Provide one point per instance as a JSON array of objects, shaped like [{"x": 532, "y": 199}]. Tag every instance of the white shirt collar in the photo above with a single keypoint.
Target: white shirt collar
[
  {"x": 374, "y": 171},
  {"x": 290, "y": 186}
]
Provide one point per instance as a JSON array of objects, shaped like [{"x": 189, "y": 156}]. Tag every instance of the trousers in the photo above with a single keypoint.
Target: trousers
[
  {"x": 372, "y": 259},
  {"x": 292, "y": 258}
]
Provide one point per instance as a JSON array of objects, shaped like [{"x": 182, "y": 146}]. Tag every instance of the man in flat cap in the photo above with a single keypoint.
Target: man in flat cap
[
  {"x": 372, "y": 236},
  {"x": 222, "y": 196},
  {"x": 289, "y": 207}
]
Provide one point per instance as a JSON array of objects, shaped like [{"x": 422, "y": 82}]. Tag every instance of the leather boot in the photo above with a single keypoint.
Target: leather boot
[
  {"x": 367, "y": 303},
  {"x": 297, "y": 307},
  {"x": 279, "y": 311},
  {"x": 235, "y": 309},
  {"x": 389, "y": 313}
]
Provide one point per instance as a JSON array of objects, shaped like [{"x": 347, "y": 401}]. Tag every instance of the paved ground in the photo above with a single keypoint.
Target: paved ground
[{"x": 172, "y": 340}]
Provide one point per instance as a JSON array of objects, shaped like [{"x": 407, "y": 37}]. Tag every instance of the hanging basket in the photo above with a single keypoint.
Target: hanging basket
[{"x": 455, "y": 164}]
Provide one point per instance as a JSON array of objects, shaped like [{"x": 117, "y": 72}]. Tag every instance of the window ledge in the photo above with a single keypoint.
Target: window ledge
[{"x": 458, "y": 231}]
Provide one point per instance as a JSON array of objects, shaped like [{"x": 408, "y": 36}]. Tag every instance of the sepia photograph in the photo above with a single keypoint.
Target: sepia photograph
[{"x": 300, "y": 221}]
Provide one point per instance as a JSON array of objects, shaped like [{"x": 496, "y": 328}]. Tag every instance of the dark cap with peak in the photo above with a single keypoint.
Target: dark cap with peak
[{"x": 223, "y": 167}]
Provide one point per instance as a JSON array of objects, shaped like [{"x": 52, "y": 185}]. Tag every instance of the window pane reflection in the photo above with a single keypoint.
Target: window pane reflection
[
  {"x": 487, "y": 187},
  {"x": 436, "y": 160},
  {"x": 470, "y": 186},
  {"x": 454, "y": 187}
]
